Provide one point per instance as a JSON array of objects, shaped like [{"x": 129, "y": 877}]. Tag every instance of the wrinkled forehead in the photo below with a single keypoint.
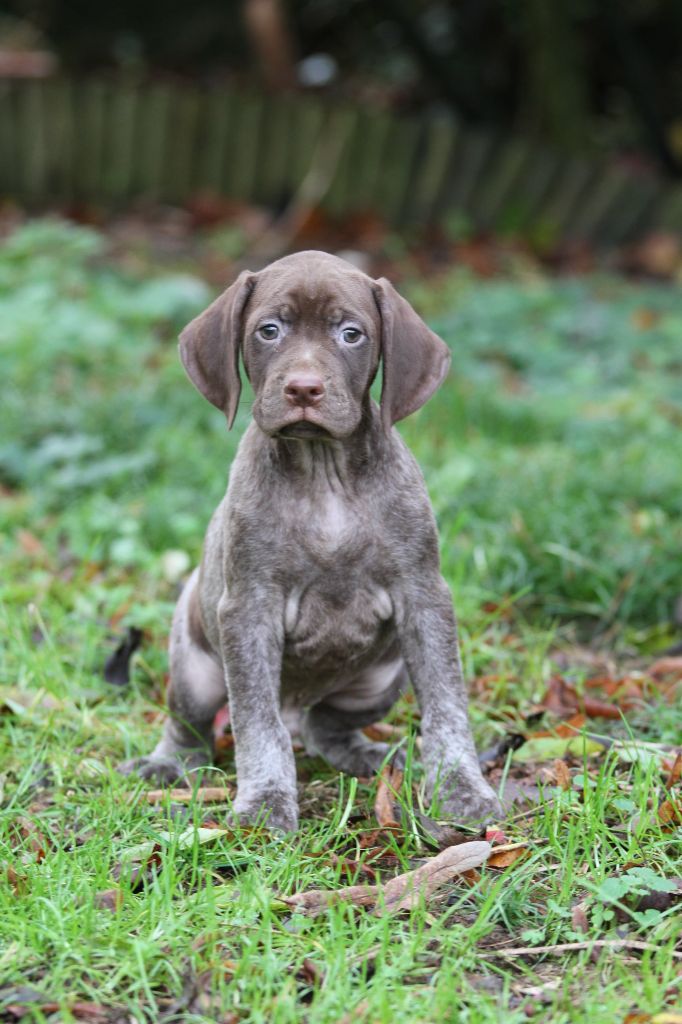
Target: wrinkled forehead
[{"x": 313, "y": 291}]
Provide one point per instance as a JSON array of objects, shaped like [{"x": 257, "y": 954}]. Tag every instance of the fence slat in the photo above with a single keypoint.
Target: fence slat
[
  {"x": 401, "y": 152},
  {"x": 181, "y": 150},
  {"x": 441, "y": 135},
  {"x": 89, "y": 107},
  {"x": 270, "y": 184},
  {"x": 60, "y": 138},
  {"x": 244, "y": 144},
  {"x": 9, "y": 178},
  {"x": 498, "y": 185},
  {"x": 217, "y": 122},
  {"x": 471, "y": 154},
  {"x": 565, "y": 194},
  {"x": 152, "y": 141},
  {"x": 32, "y": 150},
  {"x": 309, "y": 117},
  {"x": 120, "y": 153},
  {"x": 534, "y": 184},
  {"x": 347, "y": 120},
  {"x": 109, "y": 140}
]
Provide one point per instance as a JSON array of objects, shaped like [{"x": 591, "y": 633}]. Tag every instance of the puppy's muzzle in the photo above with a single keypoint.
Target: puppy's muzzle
[{"x": 304, "y": 391}]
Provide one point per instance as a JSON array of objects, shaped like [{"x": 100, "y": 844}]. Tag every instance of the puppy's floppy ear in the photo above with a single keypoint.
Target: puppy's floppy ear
[
  {"x": 415, "y": 360},
  {"x": 210, "y": 344}
]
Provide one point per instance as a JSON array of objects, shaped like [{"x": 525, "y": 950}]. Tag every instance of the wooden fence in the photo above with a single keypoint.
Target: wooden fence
[{"x": 109, "y": 141}]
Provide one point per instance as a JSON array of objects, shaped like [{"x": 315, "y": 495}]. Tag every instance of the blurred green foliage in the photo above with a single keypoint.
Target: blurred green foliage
[{"x": 552, "y": 455}]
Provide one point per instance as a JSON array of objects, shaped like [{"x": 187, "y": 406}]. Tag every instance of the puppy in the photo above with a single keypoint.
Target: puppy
[{"x": 319, "y": 596}]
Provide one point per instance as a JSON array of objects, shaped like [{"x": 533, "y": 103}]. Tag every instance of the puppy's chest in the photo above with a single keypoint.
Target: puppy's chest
[
  {"x": 336, "y": 622},
  {"x": 337, "y": 606},
  {"x": 326, "y": 524}
]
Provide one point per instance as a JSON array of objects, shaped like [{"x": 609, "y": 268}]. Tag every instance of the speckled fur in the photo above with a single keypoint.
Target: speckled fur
[{"x": 319, "y": 593}]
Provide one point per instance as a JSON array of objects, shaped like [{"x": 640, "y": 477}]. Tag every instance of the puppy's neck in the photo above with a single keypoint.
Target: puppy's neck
[{"x": 337, "y": 464}]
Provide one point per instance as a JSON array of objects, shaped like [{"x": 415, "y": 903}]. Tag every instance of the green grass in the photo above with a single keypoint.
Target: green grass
[{"x": 553, "y": 459}]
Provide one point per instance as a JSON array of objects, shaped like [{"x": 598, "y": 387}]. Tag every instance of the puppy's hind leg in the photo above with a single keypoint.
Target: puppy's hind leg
[
  {"x": 333, "y": 728},
  {"x": 196, "y": 693}
]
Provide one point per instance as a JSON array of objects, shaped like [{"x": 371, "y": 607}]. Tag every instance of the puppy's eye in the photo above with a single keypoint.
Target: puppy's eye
[
  {"x": 351, "y": 335},
  {"x": 269, "y": 332}
]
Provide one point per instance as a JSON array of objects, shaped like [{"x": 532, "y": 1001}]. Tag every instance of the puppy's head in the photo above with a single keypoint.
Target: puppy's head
[{"x": 311, "y": 330}]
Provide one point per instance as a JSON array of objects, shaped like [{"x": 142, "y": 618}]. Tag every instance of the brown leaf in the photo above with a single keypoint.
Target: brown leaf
[
  {"x": 675, "y": 772},
  {"x": 30, "y": 544},
  {"x": 405, "y": 891},
  {"x": 136, "y": 874},
  {"x": 390, "y": 781},
  {"x": 384, "y": 732},
  {"x": 402, "y": 892},
  {"x": 562, "y": 774},
  {"x": 563, "y": 700},
  {"x": 89, "y": 1012},
  {"x": 579, "y": 918},
  {"x": 310, "y": 974},
  {"x": 670, "y": 812},
  {"x": 667, "y": 667},
  {"x": 16, "y": 881},
  {"x": 36, "y": 841},
  {"x": 109, "y": 899},
  {"x": 504, "y": 856},
  {"x": 352, "y": 867},
  {"x": 569, "y": 728}
]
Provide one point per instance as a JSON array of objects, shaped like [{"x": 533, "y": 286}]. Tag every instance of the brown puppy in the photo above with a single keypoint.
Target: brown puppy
[{"x": 319, "y": 593}]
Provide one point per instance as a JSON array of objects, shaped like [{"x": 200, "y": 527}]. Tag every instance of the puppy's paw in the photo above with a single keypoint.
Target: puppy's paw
[
  {"x": 159, "y": 768},
  {"x": 471, "y": 802},
  {"x": 271, "y": 809},
  {"x": 366, "y": 761}
]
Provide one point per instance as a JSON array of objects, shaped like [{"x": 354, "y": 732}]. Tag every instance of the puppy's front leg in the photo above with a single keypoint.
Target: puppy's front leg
[
  {"x": 428, "y": 635},
  {"x": 251, "y": 639}
]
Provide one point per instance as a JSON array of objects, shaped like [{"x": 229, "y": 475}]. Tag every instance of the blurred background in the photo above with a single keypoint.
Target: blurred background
[
  {"x": 554, "y": 127},
  {"x": 513, "y": 165}
]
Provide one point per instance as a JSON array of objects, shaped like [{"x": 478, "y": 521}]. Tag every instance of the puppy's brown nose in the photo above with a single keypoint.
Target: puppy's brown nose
[{"x": 304, "y": 390}]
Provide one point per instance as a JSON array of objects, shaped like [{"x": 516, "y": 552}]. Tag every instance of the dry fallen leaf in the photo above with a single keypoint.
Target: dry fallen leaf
[
  {"x": 36, "y": 841},
  {"x": 384, "y": 732},
  {"x": 563, "y": 699},
  {"x": 579, "y": 918},
  {"x": 402, "y": 892},
  {"x": 504, "y": 856},
  {"x": 667, "y": 667},
  {"x": 570, "y": 727},
  {"x": 205, "y": 795},
  {"x": 109, "y": 899},
  {"x": 30, "y": 544},
  {"x": 562, "y": 774},
  {"x": 675, "y": 772},
  {"x": 16, "y": 881},
  {"x": 405, "y": 891},
  {"x": 670, "y": 812},
  {"x": 310, "y": 974},
  {"x": 390, "y": 781}
]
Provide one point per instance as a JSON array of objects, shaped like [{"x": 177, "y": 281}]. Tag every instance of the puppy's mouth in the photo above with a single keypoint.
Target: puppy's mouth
[{"x": 304, "y": 430}]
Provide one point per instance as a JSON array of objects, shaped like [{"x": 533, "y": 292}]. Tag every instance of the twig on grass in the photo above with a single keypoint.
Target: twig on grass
[
  {"x": 204, "y": 795},
  {"x": 567, "y": 947}
]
